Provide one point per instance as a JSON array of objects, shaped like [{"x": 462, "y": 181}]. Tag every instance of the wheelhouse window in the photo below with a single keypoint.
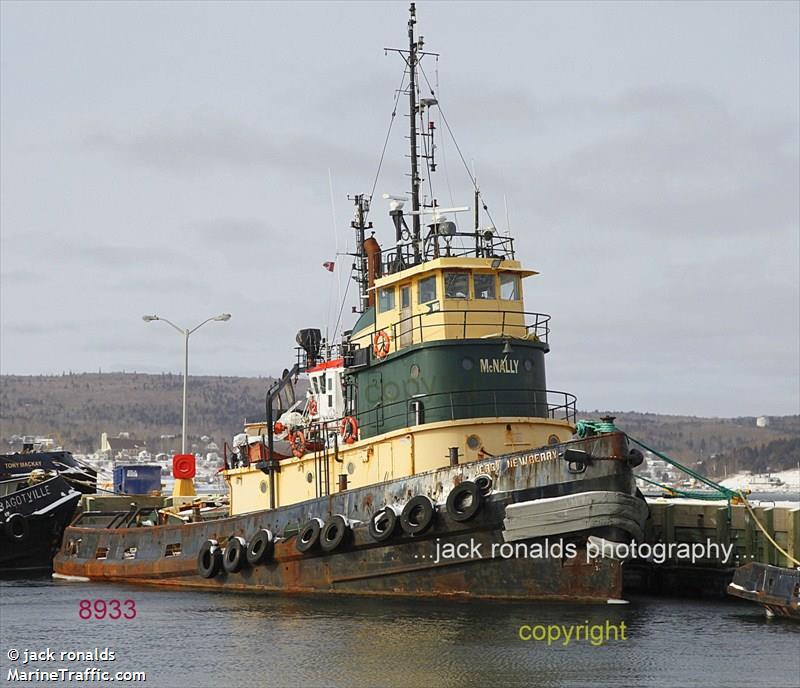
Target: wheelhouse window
[
  {"x": 484, "y": 286},
  {"x": 426, "y": 289},
  {"x": 386, "y": 299},
  {"x": 456, "y": 285},
  {"x": 509, "y": 287}
]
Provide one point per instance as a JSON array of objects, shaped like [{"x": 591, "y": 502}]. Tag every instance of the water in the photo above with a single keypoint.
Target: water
[{"x": 204, "y": 640}]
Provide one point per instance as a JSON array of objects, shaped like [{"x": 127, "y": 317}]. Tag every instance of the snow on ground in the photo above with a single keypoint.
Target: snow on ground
[{"x": 758, "y": 482}]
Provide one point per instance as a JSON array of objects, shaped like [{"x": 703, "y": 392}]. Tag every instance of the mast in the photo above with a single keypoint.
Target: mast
[
  {"x": 412, "y": 118},
  {"x": 360, "y": 224}
]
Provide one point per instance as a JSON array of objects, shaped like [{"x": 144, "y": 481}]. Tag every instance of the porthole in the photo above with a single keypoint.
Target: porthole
[
  {"x": 263, "y": 486},
  {"x": 473, "y": 442},
  {"x": 528, "y": 364},
  {"x": 414, "y": 371},
  {"x": 310, "y": 477},
  {"x": 467, "y": 363},
  {"x": 351, "y": 467},
  {"x": 553, "y": 439}
]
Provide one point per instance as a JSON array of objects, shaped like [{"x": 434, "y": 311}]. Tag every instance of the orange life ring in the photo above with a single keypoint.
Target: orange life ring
[
  {"x": 297, "y": 441},
  {"x": 349, "y": 429},
  {"x": 312, "y": 407},
  {"x": 381, "y": 344}
]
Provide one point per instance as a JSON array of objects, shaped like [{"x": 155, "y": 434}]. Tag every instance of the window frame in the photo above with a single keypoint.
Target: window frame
[
  {"x": 386, "y": 291},
  {"x": 456, "y": 273},
  {"x": 493, "y": 276},
  {"x": 431, "y": 278},
  {"x": 517, "y": 286}
]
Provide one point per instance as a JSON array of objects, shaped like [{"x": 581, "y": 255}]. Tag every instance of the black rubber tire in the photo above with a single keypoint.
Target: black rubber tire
[
  {"x": 418, "y": 515},
  {"x": 308, "y": 537},
  {"x": 335, "y": 533},
  {"x": 484, "y": 483},
  {"x": 17, "y": 528},
  {"x": 235, "y": 555},
  {"x": 464, "y": 501},
  {"x": 209, "y": 559},
  {"x": 635, "y": 457},
  {"x": 383, "y": 524},
  {"x": 261, "y": 548}
]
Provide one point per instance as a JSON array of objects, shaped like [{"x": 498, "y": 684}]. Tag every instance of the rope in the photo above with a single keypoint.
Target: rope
[
  {"x": 788, "y": 556},
  {"x": 344, "y": 301},
  {"x": 458, "y": 149},
  {"x": 583, "y": 427},
  {"x": 684, "y": 493},
  {"x": 729, "y": 494},
  {"x": 386, "y": 141}
]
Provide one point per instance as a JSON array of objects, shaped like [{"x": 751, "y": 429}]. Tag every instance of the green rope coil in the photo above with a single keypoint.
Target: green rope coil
[{"x": 585, "y": 428}]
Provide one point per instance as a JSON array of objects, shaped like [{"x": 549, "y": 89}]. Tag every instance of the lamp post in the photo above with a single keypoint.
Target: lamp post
[{"x": 222, "y": 317}]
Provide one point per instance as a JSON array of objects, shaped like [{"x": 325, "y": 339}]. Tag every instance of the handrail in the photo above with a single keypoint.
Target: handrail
[
  {"x": 539, "y": 328},
  {"x": 531, "y": 403},
  {"x": 435, "y": 245}
]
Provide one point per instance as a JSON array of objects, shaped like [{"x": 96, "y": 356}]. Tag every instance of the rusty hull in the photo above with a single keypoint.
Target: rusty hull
[{"x": 404, "y": 565}]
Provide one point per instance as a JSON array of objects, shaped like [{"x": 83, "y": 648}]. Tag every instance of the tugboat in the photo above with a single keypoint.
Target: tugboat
[
  {"x": 427, "y": 457},
  {"x": 20, "y": 465},
  {"x": 39, "y": 493}
]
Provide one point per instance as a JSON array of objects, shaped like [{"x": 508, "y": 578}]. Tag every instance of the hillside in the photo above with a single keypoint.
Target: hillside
[{"x": 76, "y": 408}]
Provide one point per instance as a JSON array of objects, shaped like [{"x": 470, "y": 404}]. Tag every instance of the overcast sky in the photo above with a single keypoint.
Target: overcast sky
[{"x": 174, "y": 158}]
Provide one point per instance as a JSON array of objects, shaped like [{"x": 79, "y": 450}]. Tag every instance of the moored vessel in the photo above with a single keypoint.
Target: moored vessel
[
  {"x": 39, "y": 494},
  {"x": 428, "y": 456},
  {"x": 775, "y": 588}
]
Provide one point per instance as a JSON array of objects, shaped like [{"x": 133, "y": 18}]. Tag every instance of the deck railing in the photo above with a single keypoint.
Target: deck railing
[
  {"x": 509, "y": 323},
  {"x": 465, "y": 404}
]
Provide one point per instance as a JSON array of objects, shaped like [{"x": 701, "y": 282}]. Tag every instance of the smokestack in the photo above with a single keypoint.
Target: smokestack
[{"x": 373, "y": 252}]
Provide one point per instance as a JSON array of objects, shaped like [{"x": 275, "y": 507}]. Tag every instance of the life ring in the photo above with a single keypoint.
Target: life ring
[
  {"x": 312, "y": 407},
  {"x": 349, "y": 429},
  {"x": 234, "y": 556},
  {"x": 17, "y": 528},
  {"x": 209, "y": 559},
  {"x": 383, "y": 524},
  {"x": 381, "y": 344},
  {"x": 308, "y": 537},
  {"x": 417, "y": 515},
  {"x": 297, "y": 441},
  {"x": 464, "y": 501},
  {"x": 261, "y": 547},
  {"x": 335, "y": 533}
]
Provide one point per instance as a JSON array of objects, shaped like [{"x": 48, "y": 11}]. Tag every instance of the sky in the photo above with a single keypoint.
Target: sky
[{"x": 187, "y": 159}]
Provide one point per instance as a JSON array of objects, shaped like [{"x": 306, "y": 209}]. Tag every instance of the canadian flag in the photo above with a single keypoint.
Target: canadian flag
[{"x": 329, "y": 265}]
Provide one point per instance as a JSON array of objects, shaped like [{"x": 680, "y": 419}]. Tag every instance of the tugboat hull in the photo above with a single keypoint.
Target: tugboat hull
[
  {"x": 454, "y": 556},
  {"x": 34, "y": 520}
]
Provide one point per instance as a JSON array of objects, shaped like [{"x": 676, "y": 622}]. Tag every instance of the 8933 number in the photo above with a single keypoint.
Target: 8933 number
[{"x": 107, "y": 609}]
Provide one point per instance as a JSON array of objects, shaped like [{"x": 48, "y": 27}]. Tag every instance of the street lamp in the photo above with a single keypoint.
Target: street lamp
[{"x": 222, "y": 317}]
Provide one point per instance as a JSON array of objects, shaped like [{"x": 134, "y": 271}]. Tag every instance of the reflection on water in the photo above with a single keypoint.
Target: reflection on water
[{"x": 204, "y": 639}]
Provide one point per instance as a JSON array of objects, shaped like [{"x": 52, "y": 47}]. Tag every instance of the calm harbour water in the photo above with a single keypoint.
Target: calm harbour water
[{"x": 203, "y": 639}]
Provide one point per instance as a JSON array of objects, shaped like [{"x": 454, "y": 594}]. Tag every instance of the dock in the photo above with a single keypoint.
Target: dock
[{"x": 693, "y": 521}]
